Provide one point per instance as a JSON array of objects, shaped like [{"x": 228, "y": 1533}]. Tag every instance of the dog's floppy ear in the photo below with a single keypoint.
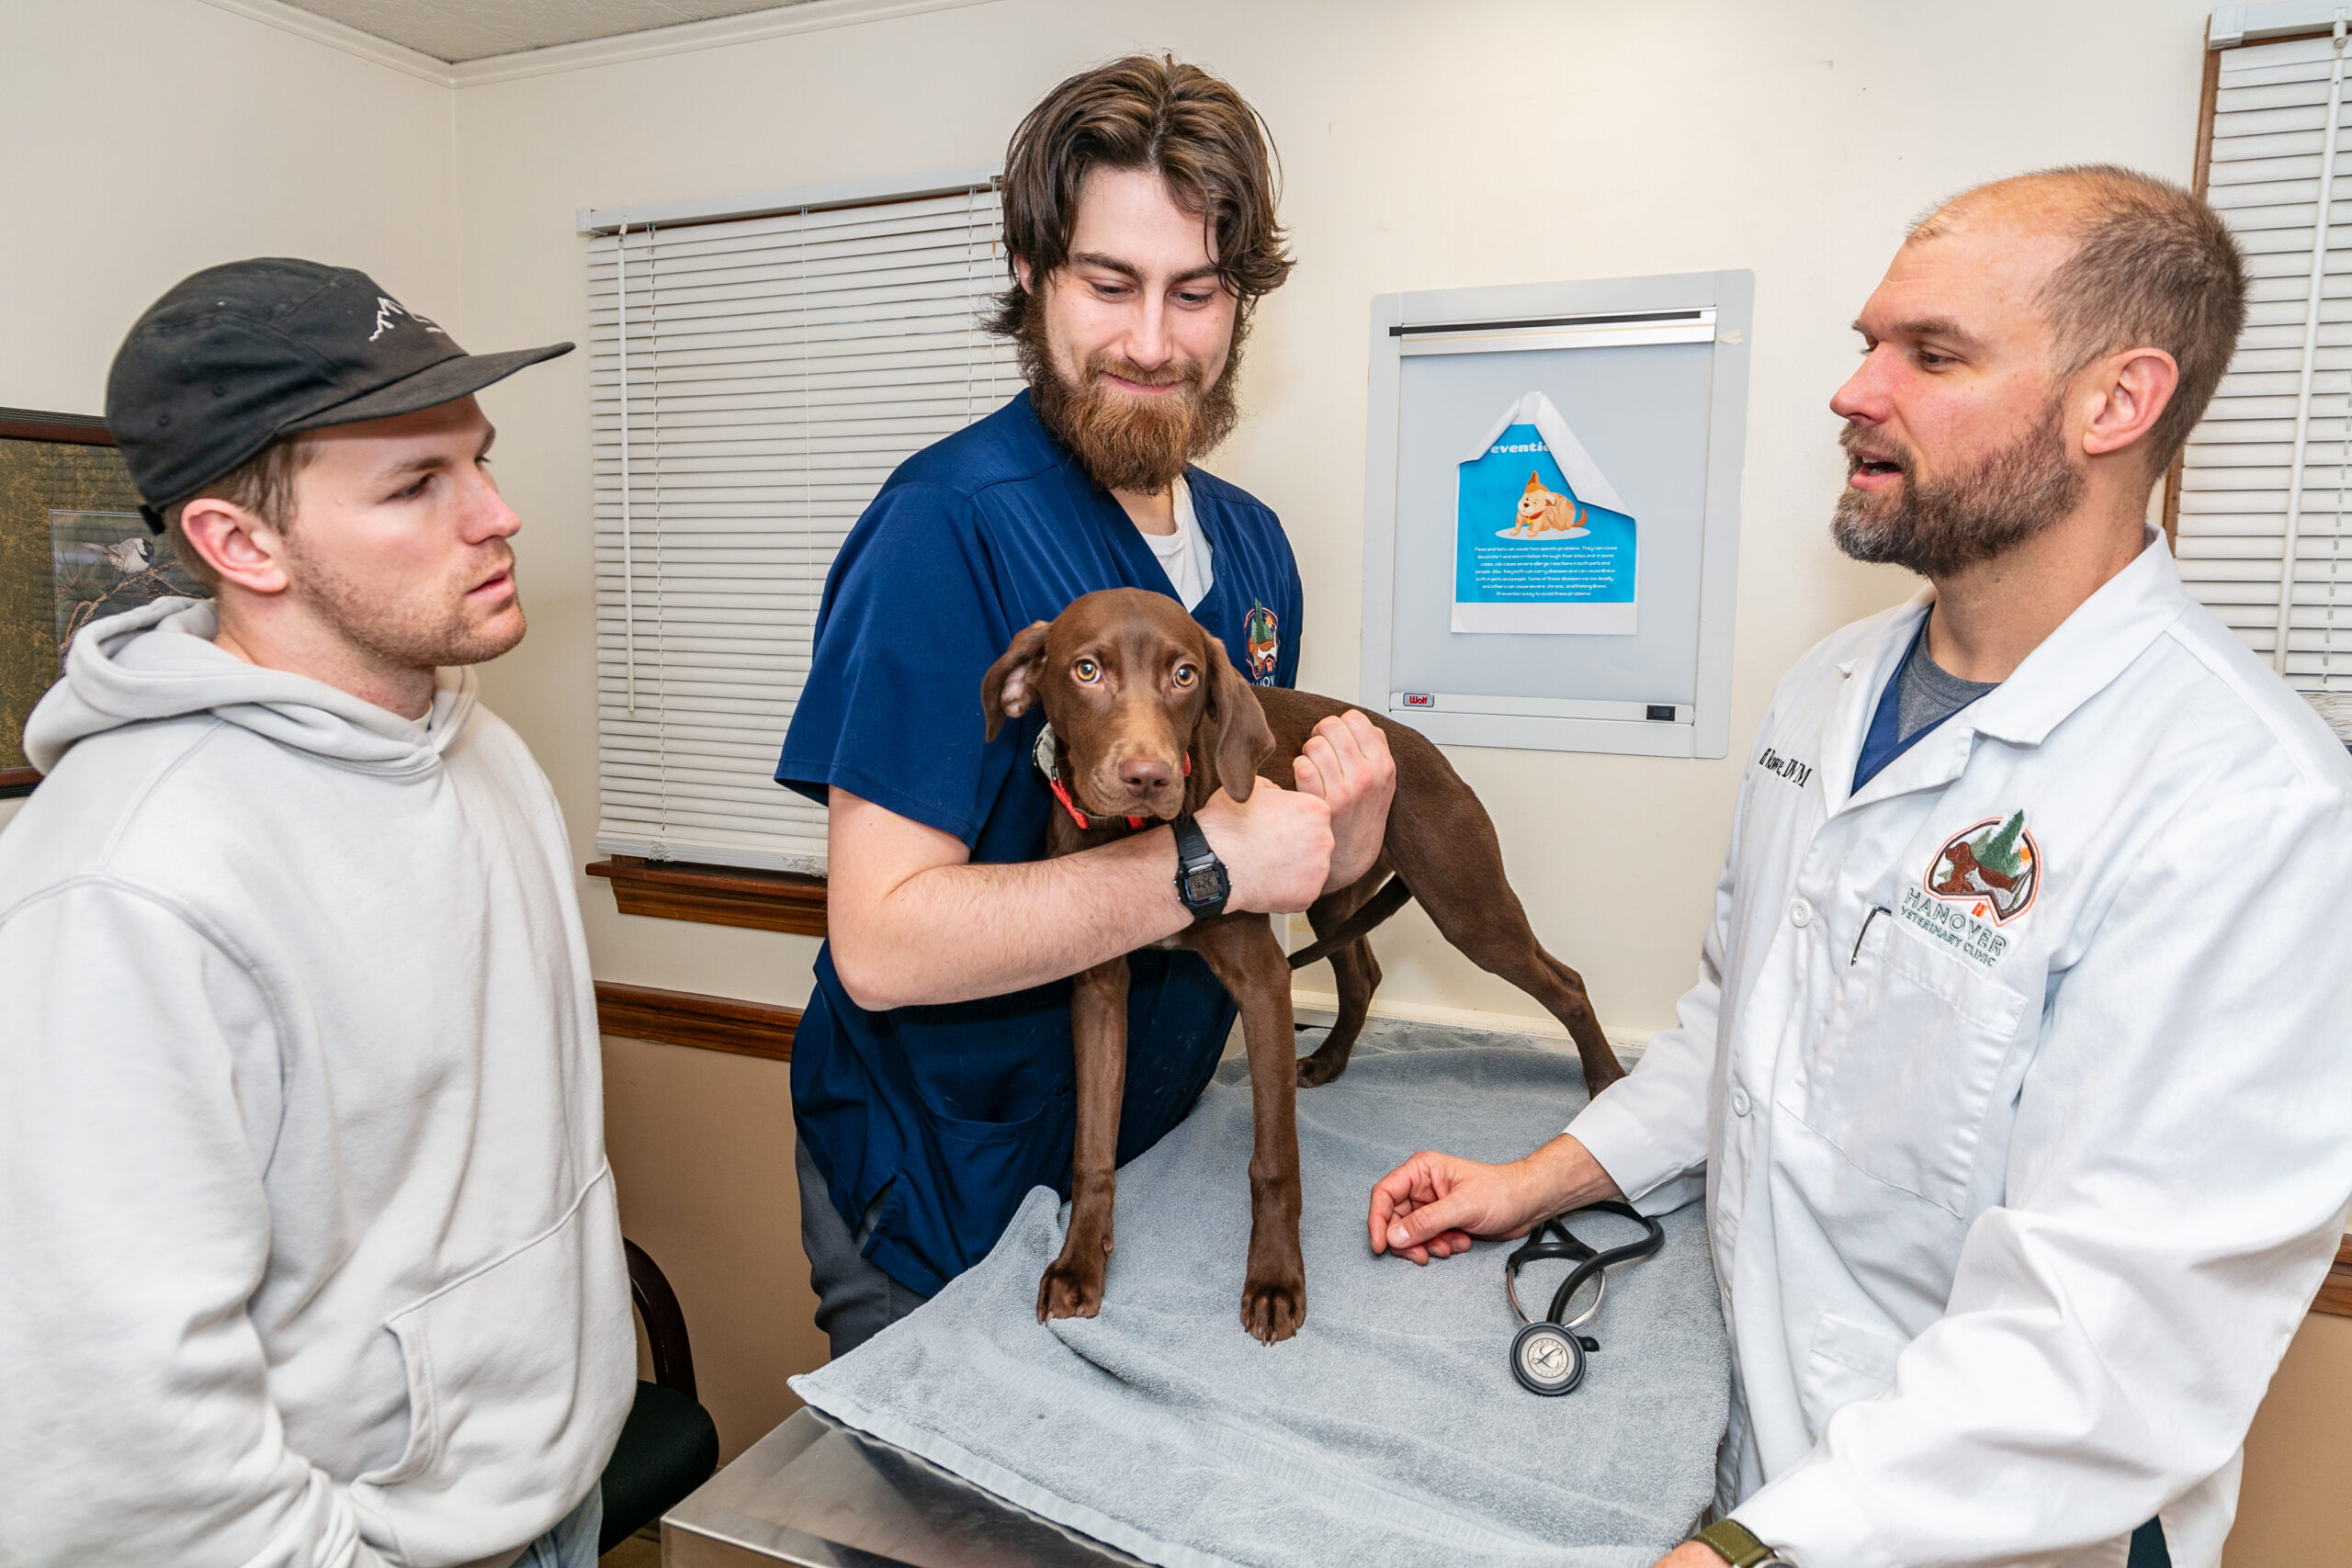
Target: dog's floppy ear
[
  {"x": 1011, "y": 684},
  {"x": 1233, "y": 731}
]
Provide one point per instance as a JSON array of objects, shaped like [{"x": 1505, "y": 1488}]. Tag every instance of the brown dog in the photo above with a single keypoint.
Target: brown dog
[{"x": 1149, "y": 719}]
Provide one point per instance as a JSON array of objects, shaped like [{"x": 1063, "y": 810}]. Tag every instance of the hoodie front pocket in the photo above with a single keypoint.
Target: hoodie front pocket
[{"x": 519, "y": 1374}]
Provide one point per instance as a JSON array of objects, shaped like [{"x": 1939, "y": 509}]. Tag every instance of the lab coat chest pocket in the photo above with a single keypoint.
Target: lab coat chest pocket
[{"x": 1902, "y": 1074}]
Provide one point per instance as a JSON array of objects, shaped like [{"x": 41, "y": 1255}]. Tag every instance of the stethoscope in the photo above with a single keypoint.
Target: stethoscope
[{"x": 1547, "y": 1355}]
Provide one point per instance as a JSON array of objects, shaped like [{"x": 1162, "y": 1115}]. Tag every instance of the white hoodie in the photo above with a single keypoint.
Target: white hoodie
[{"x": 308, "y": 1248}]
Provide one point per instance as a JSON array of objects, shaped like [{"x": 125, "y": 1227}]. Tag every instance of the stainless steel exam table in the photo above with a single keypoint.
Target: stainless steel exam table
[{"x": 816, "y": 1493}]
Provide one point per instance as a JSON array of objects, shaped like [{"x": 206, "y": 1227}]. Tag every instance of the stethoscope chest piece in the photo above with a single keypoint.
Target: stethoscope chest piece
[
  {"x": 1547, "y": 1355},
  {"x": 1546, "y": 1359}
]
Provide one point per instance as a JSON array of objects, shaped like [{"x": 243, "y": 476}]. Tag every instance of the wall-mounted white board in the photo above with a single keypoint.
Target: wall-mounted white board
[{"x": 1551, "y": 511}]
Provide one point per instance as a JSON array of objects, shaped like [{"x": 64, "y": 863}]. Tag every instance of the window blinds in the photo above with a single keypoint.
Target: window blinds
[
  {"x": 2262, "y": 525},
  {"x": 753, "y": 382}
]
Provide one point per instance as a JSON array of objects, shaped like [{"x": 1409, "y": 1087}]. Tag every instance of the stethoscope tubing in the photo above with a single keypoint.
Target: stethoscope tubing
[{"x": 1590, "y": 1264}]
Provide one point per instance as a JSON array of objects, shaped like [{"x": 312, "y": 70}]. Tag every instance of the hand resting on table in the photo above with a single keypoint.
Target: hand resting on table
[{"x": 1435, "y": 1204}]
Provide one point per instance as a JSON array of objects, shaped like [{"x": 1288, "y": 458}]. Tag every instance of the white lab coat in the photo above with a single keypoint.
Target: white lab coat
[{"x": 2017, "y": 1193}]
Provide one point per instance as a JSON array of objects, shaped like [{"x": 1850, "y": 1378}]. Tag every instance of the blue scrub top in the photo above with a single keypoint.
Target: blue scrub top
[{"x": 950, "y": 1114}]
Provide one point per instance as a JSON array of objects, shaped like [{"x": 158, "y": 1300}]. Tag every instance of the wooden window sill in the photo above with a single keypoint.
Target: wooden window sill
[{"x": 715, "y": 895}]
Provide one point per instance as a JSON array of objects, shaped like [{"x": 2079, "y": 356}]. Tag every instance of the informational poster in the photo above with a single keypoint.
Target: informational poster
[{"x": 1543, "y": 545}]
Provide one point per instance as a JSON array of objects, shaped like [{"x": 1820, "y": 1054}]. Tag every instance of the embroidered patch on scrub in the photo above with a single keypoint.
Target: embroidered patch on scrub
[
  {"x": 1261, "y": 633},
  {"x": 1985, "y": 876}
]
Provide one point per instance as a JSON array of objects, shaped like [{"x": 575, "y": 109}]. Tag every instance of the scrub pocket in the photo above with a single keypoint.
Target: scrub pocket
[
  {"x": 983, "y": 1169},
  {"x": 519, "y": 1375},
  {"x": 1903, "y": 1078}
]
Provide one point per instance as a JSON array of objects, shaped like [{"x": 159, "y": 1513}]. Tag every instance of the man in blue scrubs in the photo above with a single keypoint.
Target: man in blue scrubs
[{"x": 932, "y": 1072}]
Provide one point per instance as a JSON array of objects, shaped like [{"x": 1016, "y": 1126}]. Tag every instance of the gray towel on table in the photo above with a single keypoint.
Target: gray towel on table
[{"x": 1390, "y": 1429}]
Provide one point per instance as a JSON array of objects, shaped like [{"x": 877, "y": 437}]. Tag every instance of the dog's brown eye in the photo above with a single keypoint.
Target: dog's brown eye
[
  {"x": 1186, "y": 675},
  {"x": 1086, "y": 669}
]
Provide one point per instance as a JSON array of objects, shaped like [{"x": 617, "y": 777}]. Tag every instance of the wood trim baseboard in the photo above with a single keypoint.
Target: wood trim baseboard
[
  {"x": 2335, "y": 1296},
  {"x": 715, "y": 895},
  {"x": 694, "y": 1018}
]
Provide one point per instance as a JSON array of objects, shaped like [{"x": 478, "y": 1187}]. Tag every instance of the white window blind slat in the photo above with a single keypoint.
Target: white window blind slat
[
  {"x": 2265, "y": 534},
  {"x": 751, "y": 384}
]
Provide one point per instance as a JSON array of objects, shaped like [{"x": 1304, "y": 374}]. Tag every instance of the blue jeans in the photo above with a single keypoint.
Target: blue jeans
[{"x": 572, "y": 1542}]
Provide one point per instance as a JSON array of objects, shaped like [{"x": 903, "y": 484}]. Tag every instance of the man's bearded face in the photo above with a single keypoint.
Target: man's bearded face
[
  {"x": 1937, "y": 526},
  {"x": 1126, "y": 440}
]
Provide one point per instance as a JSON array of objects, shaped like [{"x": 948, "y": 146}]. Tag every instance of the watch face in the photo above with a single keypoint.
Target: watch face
[{"x": 1205, "y": 886}]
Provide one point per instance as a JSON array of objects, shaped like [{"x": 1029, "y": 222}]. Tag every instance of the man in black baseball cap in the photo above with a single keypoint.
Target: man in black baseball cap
[
  {"x": 236, "y": 357},
  {"x": 301, "y": 1127}
]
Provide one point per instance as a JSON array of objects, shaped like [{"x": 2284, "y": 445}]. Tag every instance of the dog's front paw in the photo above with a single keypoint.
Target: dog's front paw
[
  {"x": 1073, "y": 1284},
  {"x": 1274, "y": 1303}
]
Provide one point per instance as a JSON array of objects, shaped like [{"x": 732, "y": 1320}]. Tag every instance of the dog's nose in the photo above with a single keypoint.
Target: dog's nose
[{"x": 1143, "y": 775}]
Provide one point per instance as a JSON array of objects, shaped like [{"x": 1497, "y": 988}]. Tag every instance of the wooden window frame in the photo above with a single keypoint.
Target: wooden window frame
[
  {"x": 715, "y": 895},
  {"x": 71, "y": 430}
]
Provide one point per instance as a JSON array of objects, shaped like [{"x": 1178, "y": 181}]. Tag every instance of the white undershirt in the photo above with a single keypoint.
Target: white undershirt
[{"x": 1184, "y": 555}]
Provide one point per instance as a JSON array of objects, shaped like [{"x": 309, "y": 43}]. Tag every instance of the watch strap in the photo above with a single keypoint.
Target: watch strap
[
  {"x": 1737, "y": 1545},
  {"x": 1195, "y": 856}
]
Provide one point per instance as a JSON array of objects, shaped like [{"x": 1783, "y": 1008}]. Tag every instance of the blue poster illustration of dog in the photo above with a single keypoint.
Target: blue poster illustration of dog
[{"x": 1544, "y": 542}]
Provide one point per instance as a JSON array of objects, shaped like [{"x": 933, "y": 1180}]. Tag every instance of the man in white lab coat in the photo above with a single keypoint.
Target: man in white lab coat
[{"x": 2019, "y": 1070}]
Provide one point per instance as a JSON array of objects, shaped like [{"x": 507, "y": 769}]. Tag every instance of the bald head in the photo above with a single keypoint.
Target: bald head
[{"x": 2133, "y": 262}]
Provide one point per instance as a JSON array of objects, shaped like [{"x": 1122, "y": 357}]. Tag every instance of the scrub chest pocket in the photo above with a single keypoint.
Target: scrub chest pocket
[{"x": 1902, "y": 1077}]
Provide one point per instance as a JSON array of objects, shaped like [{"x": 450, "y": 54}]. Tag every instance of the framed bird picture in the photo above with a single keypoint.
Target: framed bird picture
[{"x": 73, "y": 549}]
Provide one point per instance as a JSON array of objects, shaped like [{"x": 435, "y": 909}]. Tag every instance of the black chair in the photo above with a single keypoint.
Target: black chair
[{"x": 668, "y": 1445}]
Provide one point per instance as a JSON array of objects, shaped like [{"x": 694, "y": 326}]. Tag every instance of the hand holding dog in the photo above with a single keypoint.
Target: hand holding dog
[
  {"x": 1435, "y": 1204},
  {"x": 1346, "y": 764},
  {"x": 1276, "y": 848}
]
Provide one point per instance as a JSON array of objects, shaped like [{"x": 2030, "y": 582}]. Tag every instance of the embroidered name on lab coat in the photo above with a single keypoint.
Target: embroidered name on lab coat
[{"x": 1796, "y": 772}]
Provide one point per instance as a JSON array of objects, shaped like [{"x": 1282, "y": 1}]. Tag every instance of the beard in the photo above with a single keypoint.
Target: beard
[
  {"x": 406, "y": 628},
  {"x": 1936, "y": 527},
  {"x": 1124, "y": 442}
]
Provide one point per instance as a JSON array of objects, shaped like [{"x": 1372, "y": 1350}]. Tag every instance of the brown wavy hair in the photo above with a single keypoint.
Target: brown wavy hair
[{"x": 1144, "y": 112}]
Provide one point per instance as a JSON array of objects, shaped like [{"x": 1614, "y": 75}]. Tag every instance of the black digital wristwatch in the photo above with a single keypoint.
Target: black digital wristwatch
[{"x": 1202, "y": 885}]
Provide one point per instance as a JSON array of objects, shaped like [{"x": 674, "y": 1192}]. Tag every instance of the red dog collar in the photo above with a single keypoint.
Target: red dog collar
[{"x": 1048, "y": 763}]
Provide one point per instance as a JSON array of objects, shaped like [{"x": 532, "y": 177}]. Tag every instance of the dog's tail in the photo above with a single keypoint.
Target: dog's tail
[{"x": 1393, "y": 895}]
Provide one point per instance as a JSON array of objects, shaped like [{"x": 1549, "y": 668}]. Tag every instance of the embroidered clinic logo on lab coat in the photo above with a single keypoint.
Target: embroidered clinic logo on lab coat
[
  {"x": 1994, "y": 872},
  {"x": 1261, "y": 633},
  {"x": 1983, "y": 878}
]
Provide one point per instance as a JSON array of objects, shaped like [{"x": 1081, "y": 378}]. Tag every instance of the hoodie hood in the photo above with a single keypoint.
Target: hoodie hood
[{"x": 159, "y": 662}]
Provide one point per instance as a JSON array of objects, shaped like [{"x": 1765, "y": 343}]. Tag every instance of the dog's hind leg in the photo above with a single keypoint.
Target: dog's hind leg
[
  {"x": 1359, "y": 976},
  {"x": 1072, "y": 1286},
  {"x": 1481, "y": 916},
  {"x": 1247, "y": 960},
  {"x": 1357, "y": 973}
]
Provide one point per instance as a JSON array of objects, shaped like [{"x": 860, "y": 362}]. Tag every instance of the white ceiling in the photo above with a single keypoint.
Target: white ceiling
[{"x": 457, "y": 30}]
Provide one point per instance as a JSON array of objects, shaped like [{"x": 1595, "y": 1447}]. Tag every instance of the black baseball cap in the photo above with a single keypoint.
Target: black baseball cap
[{"x": 235, "y": 357}]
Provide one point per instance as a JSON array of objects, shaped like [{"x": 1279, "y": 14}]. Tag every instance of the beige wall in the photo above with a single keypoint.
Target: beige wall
[
  {"x": 1425, "y": 146},
  {"x": 707, "y": 1188},
  {"x": 1475, "y": 142},
  {"x": 2299, "y": 1457},
  {"x": 149, "y": 138}
]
